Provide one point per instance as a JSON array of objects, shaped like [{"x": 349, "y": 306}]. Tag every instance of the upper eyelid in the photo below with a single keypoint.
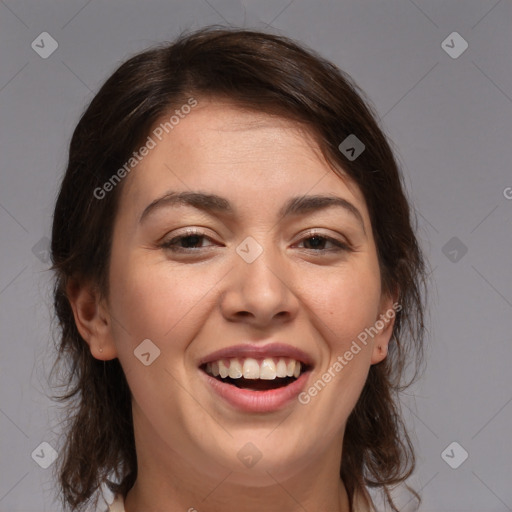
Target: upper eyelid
[
  {"x": 312, "y": 232},
  {"x": 200, "y": 232}
]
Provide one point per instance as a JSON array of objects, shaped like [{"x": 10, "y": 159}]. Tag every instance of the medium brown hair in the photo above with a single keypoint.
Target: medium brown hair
[{"x": 265, "y": 73}]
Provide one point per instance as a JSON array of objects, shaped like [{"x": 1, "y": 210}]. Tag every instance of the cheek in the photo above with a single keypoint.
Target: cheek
[
  {"x": 346, "y": 303},
  {"x": 165, "y": 305},
  {"x": 344, "y": 306},
  {"x": 157, "y": 302}
]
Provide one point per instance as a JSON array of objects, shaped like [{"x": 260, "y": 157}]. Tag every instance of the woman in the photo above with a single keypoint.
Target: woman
[{"x": 238, "y": 284}]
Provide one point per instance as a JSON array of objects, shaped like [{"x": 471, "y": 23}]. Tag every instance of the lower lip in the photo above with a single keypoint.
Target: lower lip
[{"x": 248, "y": 400}]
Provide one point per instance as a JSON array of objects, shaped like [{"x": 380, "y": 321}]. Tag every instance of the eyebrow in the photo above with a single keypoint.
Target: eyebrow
[{"x": 212, "y": 203}]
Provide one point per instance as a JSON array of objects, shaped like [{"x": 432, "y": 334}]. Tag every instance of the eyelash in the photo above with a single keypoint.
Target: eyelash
[{"x": 170, "y": 244}]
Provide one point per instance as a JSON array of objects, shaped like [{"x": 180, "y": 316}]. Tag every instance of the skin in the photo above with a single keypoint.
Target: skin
[{"x": 191, "y": 304}]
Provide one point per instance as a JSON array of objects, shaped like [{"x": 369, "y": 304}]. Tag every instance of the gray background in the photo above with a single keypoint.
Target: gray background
[{"x": 451, "y": 122}]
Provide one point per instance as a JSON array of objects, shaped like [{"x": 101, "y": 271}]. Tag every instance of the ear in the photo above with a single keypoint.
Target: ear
[
  {"x": 384, "y": 323},
  {"x": 92, "y": 318}
]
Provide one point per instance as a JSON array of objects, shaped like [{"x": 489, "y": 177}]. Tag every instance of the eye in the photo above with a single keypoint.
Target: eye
[
  {"x": 317, "y": 243},
  {"x": 187, "y": 242},
  {"x": 192, "y": 241}
]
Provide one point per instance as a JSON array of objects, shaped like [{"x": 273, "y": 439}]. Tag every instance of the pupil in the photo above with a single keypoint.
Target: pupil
[
  {"x": 186, "y": 240},
  {"x": 318, "y": 239}
]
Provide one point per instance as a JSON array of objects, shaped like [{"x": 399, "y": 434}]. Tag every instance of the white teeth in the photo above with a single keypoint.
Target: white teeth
[
  {"x": 281, "y": 368},
  {"x": 235, "y": 369},
  {"x": 290, "y": 368},
  {"x": 268, "y": 369},
  {"x": 251, "y": 368},
  {"x": 223, "y": 369}
]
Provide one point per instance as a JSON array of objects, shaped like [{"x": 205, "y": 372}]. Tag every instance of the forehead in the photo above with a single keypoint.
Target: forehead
[
  {"x": 229, "y": 151},
  {"x": 229, "y": 132}
]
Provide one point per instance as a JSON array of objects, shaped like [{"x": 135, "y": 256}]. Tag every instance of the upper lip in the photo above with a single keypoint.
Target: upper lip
[{"x": 259, "y": 352}]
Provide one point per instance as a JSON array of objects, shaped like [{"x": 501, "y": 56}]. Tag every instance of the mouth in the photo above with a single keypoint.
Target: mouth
[
  {"x": 254, "y": 378},
  {"x": 256, "y": 374}
]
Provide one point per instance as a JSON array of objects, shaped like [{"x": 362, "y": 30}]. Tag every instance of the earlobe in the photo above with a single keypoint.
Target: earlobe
[
  {"x": 384, "y": 324},
  {"x": 91, "y": 319},
  {"x": 379, "y": 353}
]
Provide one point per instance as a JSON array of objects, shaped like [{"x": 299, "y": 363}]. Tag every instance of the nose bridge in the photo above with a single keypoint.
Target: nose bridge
[
  {"x": 258, "y": 285},
  {"x": 263, "y": 270}
]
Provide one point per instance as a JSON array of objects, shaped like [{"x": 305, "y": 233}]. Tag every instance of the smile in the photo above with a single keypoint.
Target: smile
[
  {"x": 257, "y": 379},
  {"x": 256, "y": 374}
]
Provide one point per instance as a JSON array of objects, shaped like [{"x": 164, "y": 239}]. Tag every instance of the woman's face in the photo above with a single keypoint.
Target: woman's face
[{"x": 269, "y": 277}]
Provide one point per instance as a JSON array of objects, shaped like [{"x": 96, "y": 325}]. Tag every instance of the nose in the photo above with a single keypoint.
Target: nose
[{"x": 260, "y": 293}]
